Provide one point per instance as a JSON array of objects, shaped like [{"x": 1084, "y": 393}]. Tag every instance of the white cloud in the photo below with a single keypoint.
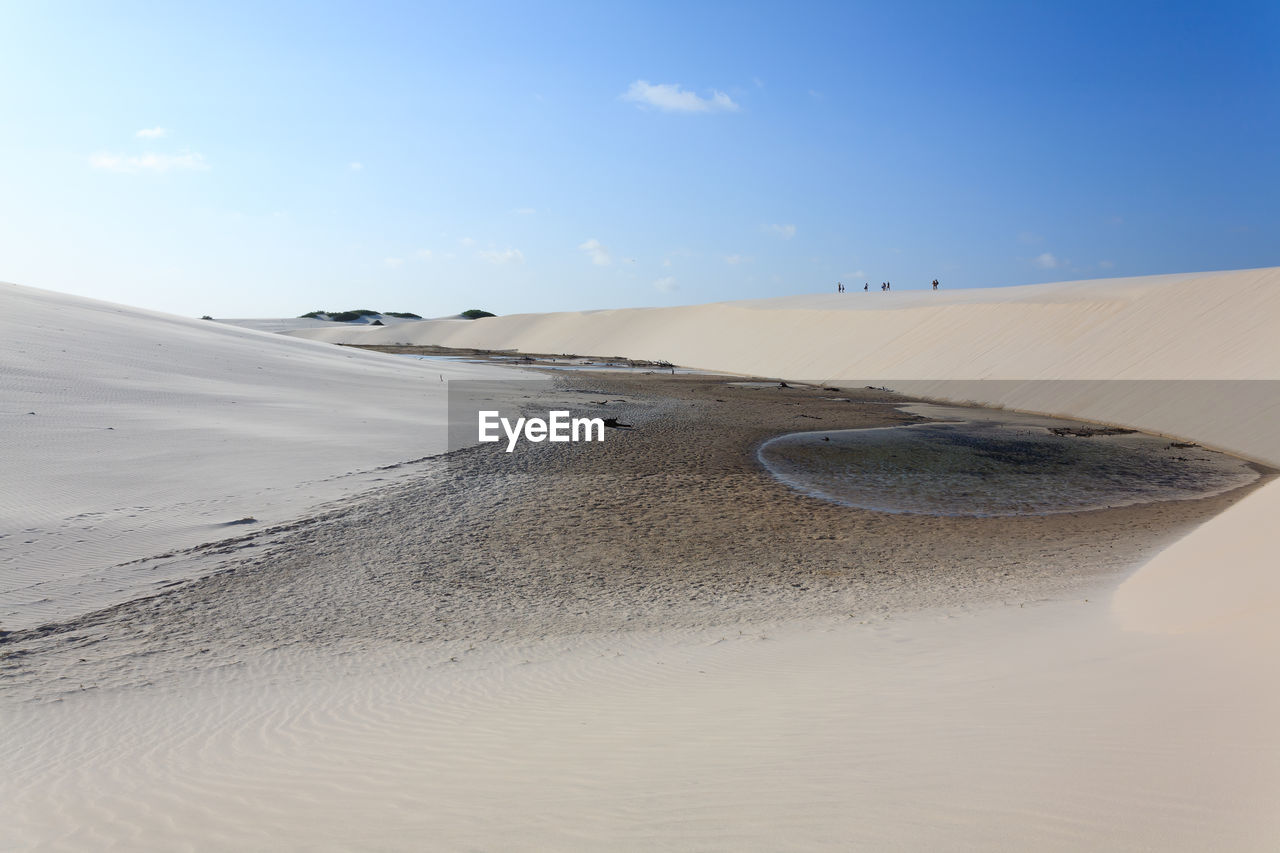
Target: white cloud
[
  {"x": 734, "y": 260},
  {"x": 666, "y": 262},
  {"x": 424, "y": 254},
  {"x": 394, "y": 263},
  {"x": 1045, "y": 261},
  {"x": 666, "y": 284},
  {"x": 149, "y": 162},
  {"x": 672, "y": 97},
  {"x": 151, "y": 132},
  {"x": 1029, "y": 238},
  {"x": 466, "y": 242},
  {"x": 599, "y": 254},
  {"x": 356, "y": 166},
  {"x": 505, "y": 256},
  {"x": 858, "y": 274},
  {"x": 786, "y": 232},
  {"x": 525, "y": 211},
  {"x": 1106, "y": 265}
]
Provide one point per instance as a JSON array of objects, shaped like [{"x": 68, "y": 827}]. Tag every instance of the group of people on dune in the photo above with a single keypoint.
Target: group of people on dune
[{"x": 884, "y": 285}]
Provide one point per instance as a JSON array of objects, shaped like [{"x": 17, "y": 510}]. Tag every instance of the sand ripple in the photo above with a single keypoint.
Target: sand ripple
[{"x": 904, "y": 734}]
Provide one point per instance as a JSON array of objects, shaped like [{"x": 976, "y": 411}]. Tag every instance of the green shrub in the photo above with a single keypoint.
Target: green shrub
[
  {"x": 340, "y": 316},
  {"x": 356, "y": 314},
  {"x": 476, "y": 314}
]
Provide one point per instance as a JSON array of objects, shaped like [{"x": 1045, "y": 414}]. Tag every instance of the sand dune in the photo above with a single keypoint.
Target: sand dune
[
  {"x": 935, "y": 733},
  {"x": 129, "y": 433},
  {"x": 1203, "y": 326},
  {"x": 1061, "y": 725},
  {"x": 1191, "y": 356}
]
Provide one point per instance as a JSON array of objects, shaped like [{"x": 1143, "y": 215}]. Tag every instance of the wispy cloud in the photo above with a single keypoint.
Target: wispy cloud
[
  {"x": 424, "y": 254},
  {"x": 151, "y": 132},
  {"x": 734, "y": 260},
  {"x": 525, "y": 211},
  {"x": 502, "y": 256},
  {"x": 1106, "y": 265},
  {"x": 672, "y": 97},
  {"x": 189, "y": 161},
  {"x": 666, "y": 284},
  {"x": 1029, "y": 238},
  {"x": 598, "y": 253},
  {"x": 394, "y": 263},
  {"x": 356, "y": 166},
  {"x": 1046, "y": 261},
  {"x": 786, "y": 232}
]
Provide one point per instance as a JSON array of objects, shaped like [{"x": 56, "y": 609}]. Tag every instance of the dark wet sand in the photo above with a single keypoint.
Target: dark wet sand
[{"x": 670, "y": 524}]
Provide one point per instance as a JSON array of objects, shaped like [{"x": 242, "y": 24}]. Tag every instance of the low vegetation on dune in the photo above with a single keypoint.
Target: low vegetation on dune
[{"x": 358, "y": 314}]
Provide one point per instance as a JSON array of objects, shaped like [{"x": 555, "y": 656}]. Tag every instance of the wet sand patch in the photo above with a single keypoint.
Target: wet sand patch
[{"x": 671, "y": 524}]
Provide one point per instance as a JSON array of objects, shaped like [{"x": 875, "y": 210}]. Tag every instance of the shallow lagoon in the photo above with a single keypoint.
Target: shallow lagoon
[{"x": 995, "y": 464}]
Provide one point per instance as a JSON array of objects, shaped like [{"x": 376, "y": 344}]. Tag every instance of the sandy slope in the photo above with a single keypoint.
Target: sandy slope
[
  {"x": 1019, "y": 729},
  {"x": 1205, "y": 326},
  {"x": 288, "y": 324},
  {"x": 128, "y": 433},
  {"x": 1047, "y": 727}
]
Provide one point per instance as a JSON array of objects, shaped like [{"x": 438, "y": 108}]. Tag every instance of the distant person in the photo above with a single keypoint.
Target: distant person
[
  {"x": 935, "y": 284},
  {"x": 866, "y": 285}
]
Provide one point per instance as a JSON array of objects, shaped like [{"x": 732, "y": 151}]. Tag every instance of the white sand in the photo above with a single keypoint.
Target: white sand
[
  {"x": 1022, "y": 729},
  {"x": 289, "y": 324},
  {"x": 1205, "y": 326},
  {"x": 129, "y": 433},
  {"x": 1058, "y": 727}
]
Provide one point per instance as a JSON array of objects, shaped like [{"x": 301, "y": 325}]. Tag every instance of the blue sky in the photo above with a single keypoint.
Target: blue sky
[{"x": 246, "y": 159}]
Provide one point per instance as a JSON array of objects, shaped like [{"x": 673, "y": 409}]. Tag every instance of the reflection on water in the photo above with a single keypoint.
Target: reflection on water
[{"x": 987, "y": 467}]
